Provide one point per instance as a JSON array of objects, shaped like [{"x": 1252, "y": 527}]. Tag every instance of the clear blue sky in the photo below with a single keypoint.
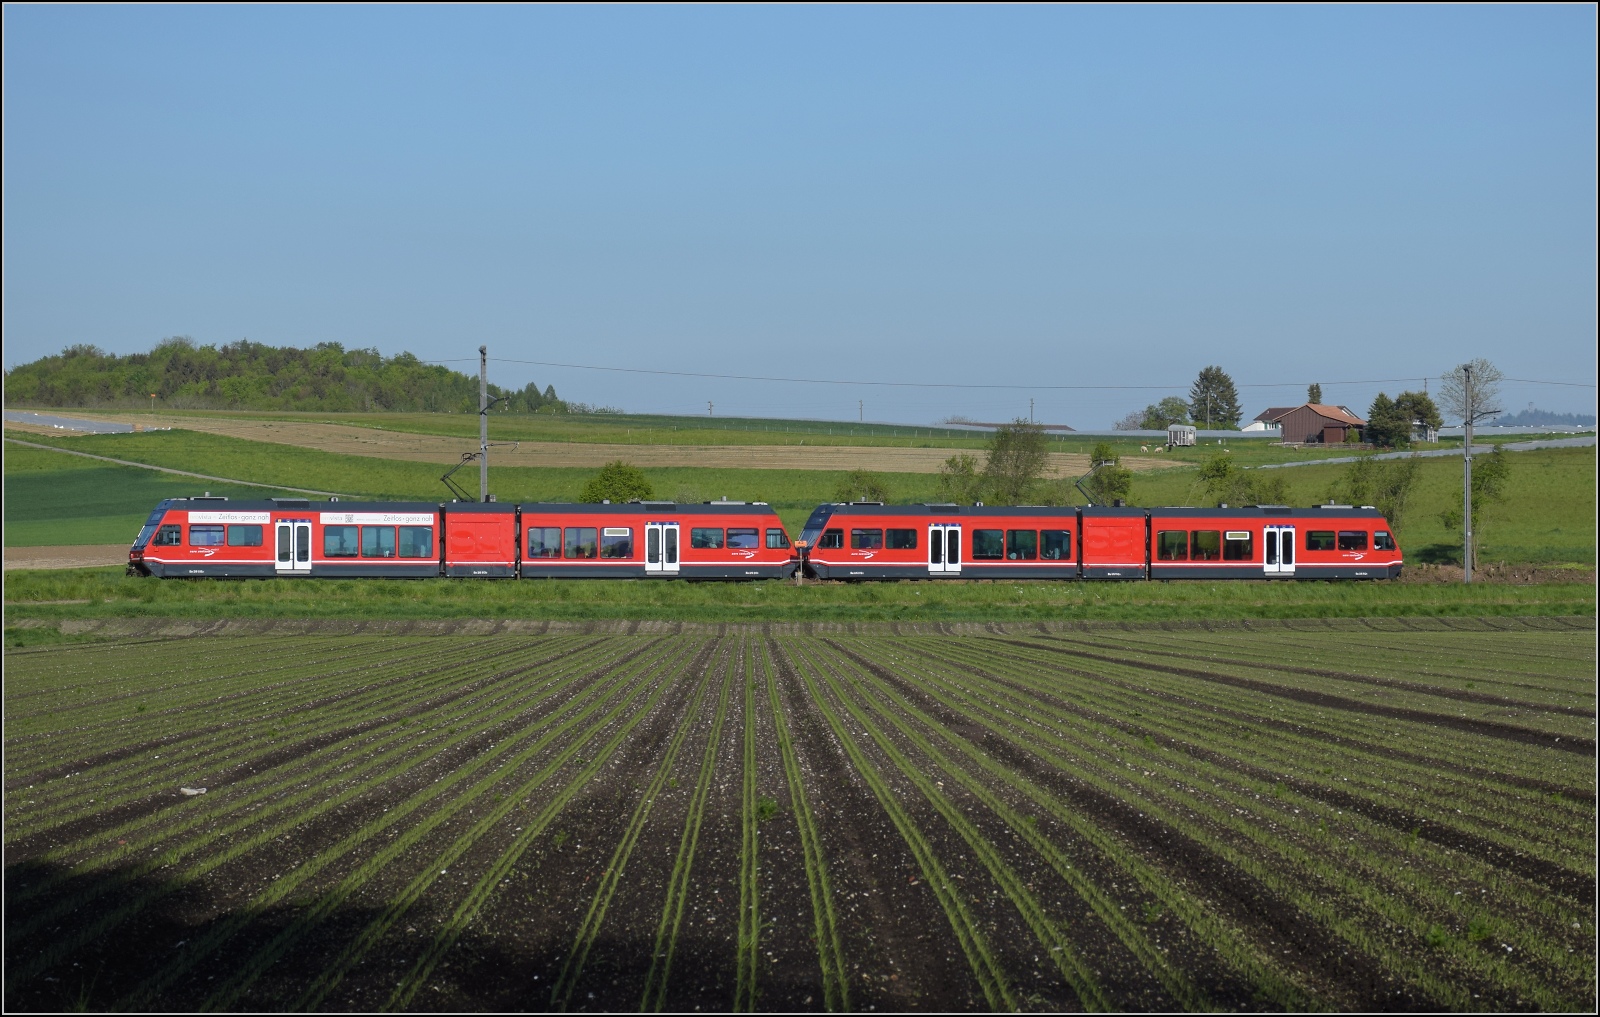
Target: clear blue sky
[{"x": 1026, "y": 195}]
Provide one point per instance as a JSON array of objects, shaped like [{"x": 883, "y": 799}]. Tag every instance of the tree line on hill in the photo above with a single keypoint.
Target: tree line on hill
[{"x": 245, "y": 375}]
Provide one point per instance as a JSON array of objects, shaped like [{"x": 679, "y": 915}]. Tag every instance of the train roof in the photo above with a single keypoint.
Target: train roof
[
  {"x": 1276, "y": 511},
  {"x": 1098, "y": 511},
  {"x": 295, "y": 505},
  {"x": 709, "y": 508},
  {"x": 874, "y": 509}
]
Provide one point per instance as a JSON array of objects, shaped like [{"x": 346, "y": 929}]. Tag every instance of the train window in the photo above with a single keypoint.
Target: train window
[
  {"x": 744, "y": 539},
  {"x": 1240, "y": 545},
  {"x": 244, "y": 535},
  {"x": 205, "y": 536},
  {"x": 1352, "y": 540},
  {"x": 1055, "y": 545},
  {"x": 1383, "y": 541},
  {"x": 544, "y": 542},
  {"x": 777, "y": 538},
  {"x": 169, "y": 536},
  {"x": 581, "y": 542},
  {"x": 339, "y": 542},
  {"x": 616, "y": 542},
  {"x": 831, "y": 539},
  {"x": 988, "y": 543},
  {"x": 377, "y": 541},
  {"x": 416, "y": 542},
  {"x": 1319, "y": 540},
  {"x": 902, "y": 540},
  {"x": 1022, "y": 545},
  {"x": 868, "y": 540},
  {"x": 1172, "y": 545},
  {"x": 1205, "y": 545},
  {"x": 705, "y": 538}
]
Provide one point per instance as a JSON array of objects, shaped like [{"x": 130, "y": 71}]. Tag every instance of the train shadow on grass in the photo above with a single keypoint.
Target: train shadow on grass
[{"x": 54, "y": 962}]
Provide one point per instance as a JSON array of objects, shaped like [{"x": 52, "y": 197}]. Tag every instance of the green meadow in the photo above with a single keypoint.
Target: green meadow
[{"x": 1547, "y": 515}]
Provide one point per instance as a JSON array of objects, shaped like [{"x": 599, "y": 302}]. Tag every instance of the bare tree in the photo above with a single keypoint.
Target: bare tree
[
  {"x": 1472, "y": 391},
  {"x": 1469, "y": 393}
]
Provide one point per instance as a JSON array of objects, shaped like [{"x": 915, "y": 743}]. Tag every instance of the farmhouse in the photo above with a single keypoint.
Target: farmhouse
[{"x": 1313, "y": 423}]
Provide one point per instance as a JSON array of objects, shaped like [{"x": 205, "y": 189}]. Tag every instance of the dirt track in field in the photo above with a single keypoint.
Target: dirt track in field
[
  {"x": 428, "y": 448},
  {"x": 74, "y": 556}
]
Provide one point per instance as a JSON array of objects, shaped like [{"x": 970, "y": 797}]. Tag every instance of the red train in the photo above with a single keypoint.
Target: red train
[
  {"x": 294, "y": 537},
  {"x": 734, "y": 540},
  {"x": 862, "y": 541}
]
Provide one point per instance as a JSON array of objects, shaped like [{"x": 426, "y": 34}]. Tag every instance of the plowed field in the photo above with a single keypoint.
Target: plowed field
[
  {"x": 427, "y": 448},
  {"x": 1010, "y": 817}
]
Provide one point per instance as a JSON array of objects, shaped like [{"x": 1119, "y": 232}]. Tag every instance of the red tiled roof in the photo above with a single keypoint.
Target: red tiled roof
[{"x": 1337, "y": 414}]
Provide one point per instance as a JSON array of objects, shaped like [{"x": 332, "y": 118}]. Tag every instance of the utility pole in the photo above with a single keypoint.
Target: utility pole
[
  {"x": 709, "y": 409},
  {"x": 1030, "y": 409},
  {"x": 861, "y": 411},
  {"x": 1466, "y": 479},
  {"x": 483, "y": 423}
]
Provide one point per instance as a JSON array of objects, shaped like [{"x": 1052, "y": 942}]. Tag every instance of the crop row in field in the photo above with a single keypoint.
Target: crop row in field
[{"x": 1134, "y": 819}]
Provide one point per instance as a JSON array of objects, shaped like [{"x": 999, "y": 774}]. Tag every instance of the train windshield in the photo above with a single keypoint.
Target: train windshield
[
  {"x": 815, "y": 525},
  {"x": 150, "y": 526}
]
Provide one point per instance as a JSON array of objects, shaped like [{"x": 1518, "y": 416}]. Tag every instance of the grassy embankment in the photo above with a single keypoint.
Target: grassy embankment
[
  {"x": 1547, "y": 516},
  {"x": 50, "y": 598}
]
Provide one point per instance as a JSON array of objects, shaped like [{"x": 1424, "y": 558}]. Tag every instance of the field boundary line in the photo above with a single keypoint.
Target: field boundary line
[{"x": 168, "y": 469}]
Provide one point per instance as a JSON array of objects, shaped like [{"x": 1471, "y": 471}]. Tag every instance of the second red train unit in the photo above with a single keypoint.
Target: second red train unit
[{"x": 865, "y": 541}]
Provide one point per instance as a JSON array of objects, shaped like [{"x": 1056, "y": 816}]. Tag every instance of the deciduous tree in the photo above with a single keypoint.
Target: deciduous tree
[
  {"x": 959, "y": 480},
  {"x": 1017, "y": 456},
  {"x": 860, "y": 485},
  {"x": 1111, "y": 481},
  {"x": 617, "y": 482}
]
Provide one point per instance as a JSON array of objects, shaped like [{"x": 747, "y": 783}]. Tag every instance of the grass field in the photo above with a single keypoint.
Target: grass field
[
  {"x": 1548, "y": 515},
  {"x": 1367, "y": 816},
  {"x": 58, "y": 597}
]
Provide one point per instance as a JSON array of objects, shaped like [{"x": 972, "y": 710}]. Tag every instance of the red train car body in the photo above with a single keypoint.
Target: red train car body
[
  {"x": 714, "y": 540},
  {"x": 861, "y": 541},
  {"x": 195, "y": 537}
]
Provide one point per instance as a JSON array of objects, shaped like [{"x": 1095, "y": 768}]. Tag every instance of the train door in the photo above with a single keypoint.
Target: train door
[
  {"x": 294, "y": 547},
  {"x": 944, "y": 549},
  {"x": 1278, "y": 543},
  {"x": 660, "y": 549}
]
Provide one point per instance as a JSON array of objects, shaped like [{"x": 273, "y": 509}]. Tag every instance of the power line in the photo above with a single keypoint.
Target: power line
[{"x": 958, "y": 385}]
